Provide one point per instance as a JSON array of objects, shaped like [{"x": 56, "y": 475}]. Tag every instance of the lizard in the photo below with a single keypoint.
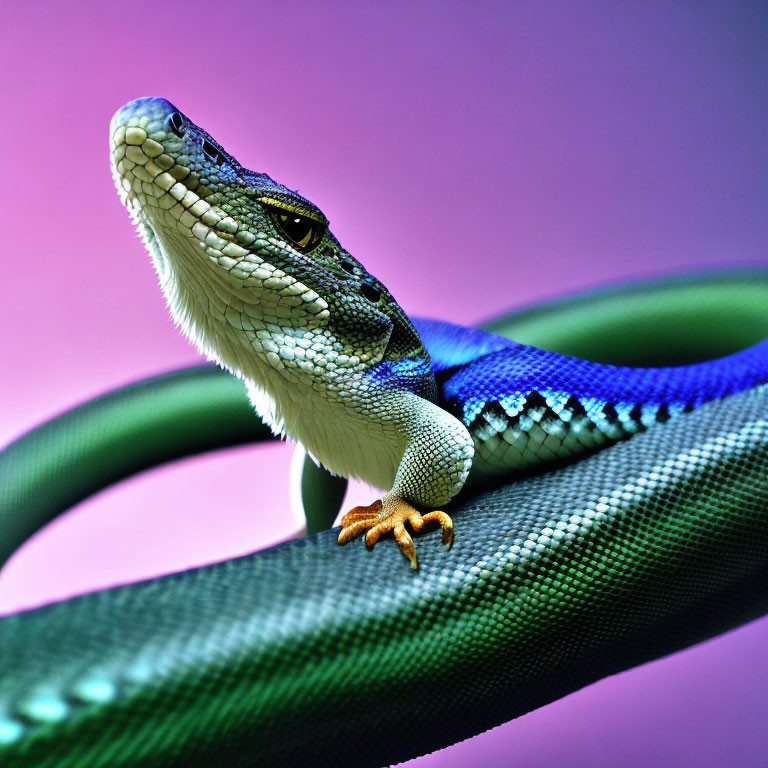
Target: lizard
[{"x": 254, "y": 277}]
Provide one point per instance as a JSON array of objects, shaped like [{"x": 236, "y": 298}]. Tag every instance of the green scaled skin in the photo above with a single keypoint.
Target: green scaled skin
[{"x": 253, "y": 276}]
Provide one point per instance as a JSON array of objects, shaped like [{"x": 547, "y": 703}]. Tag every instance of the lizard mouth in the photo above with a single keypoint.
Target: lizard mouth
[
  {"x": 164, "y": 167},
  {"x": 199, "y": 211}
]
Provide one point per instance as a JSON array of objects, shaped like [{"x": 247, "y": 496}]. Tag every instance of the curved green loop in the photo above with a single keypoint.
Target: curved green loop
[
  {"x": 111, "y": 437},
  {"x": 672, "y": 320}
]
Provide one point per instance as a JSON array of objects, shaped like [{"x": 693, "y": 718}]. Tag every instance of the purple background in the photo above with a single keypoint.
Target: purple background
[{"x": 473, "y": 156}]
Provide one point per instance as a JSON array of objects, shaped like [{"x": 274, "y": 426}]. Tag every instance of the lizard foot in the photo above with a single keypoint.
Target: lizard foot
[{"x": 392, "y": 515}]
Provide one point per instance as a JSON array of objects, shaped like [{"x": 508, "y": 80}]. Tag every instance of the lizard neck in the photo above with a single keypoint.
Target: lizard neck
[{"x": 282, "y": 364}]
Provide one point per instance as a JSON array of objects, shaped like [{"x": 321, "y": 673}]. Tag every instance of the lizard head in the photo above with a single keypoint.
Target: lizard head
[{"x": 240, "y": 256}]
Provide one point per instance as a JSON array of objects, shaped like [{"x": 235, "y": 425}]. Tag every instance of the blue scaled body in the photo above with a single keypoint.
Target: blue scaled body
[{"x": 527, "y": 407}]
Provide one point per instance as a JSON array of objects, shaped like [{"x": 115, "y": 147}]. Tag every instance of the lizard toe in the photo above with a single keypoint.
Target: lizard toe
[{"x": 380, "y": 518}]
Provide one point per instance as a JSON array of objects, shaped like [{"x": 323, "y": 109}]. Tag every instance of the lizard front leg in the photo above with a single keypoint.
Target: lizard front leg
[{"x": 435, "y": 464}]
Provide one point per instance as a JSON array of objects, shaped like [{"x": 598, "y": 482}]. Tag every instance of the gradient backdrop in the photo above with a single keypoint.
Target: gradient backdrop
[{"x": 474, "y": 156}]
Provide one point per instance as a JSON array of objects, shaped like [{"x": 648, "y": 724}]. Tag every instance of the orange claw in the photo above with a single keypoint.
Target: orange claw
[
  {"x": 379, "y": 518},
  {"x": 444, "y": 521}
]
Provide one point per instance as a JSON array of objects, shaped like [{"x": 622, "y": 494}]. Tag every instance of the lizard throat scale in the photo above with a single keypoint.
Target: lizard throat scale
[{"x": 254, "y": 277}]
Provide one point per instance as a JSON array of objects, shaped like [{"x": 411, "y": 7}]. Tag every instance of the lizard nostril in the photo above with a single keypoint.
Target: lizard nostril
[
  {"x": 348, "y": 266},
  {"x": 212, "y": 153},
  {"x": 176, "y": 123},
  {"x": 370, "y": 293}
]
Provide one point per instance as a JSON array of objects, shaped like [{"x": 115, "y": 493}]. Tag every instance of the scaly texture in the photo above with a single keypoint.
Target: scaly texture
[
  {"x": 527, "y": 408},
  {"x": 311, "y": 653},
  {"x": 254, "y": 276},
  {"x": 308, "y": 653}
]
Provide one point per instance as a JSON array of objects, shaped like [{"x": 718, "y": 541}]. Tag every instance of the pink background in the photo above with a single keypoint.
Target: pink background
[{"x": 474, "y": 156}]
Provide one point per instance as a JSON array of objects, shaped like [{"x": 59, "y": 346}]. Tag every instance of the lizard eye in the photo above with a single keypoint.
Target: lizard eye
[{"x": 301, "y": 231}]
